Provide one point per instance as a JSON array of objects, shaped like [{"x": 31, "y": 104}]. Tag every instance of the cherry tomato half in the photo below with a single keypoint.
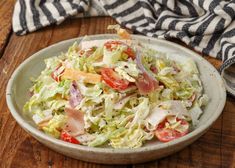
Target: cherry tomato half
[
  {"x": 112, "y": 79},
  {"x": 167, "y": 134},
  {"x": 68, "y": 138}
]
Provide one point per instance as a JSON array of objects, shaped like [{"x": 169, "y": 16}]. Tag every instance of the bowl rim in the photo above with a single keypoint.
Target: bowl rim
[{"x": 35, "y": 132}]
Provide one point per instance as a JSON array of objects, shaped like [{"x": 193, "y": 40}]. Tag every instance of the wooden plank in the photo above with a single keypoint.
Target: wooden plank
[
  {"x": 18, "y": 149},
  {"x": 6, "y": 10},
  {"x": 217, "y": 63}
]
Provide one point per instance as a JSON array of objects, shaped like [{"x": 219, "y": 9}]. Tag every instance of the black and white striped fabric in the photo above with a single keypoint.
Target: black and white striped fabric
[
  {"x": 207, "y": 26},
  {"x": 31, "y": 15}
]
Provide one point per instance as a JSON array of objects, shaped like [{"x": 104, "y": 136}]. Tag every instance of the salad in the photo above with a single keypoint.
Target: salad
[{"x": 116, "y": 92}]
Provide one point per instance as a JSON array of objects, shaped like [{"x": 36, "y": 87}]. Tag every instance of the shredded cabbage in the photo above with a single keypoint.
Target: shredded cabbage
[
  {"x": 54, "y": 125},
  {"x": 121, "y": 118}
]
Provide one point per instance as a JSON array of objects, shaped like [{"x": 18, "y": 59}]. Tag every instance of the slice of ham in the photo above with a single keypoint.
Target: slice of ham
[
  {"x": 147, "y": 82},
  {"x": 75, "y": 124}
]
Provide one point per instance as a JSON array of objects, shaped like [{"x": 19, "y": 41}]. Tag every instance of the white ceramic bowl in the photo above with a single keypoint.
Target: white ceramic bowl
[{"x": 17, "y": 95}]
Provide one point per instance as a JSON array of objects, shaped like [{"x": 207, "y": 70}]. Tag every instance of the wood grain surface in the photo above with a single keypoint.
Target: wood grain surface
[
  {"x": 6, "y": 10},
  {"x": 19, "y": 150}
]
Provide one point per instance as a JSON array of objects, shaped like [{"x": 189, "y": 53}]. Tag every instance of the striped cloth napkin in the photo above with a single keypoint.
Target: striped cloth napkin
[{"x": 207, "y": 26}]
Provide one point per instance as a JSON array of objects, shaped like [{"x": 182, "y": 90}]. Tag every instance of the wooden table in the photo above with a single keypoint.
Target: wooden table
[{"x": 19, "y": 150}]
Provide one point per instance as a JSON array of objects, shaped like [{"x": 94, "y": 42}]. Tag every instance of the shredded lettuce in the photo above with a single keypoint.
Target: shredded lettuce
[
  {"x": 129, "y": 138},
  {"x": 127, "y": 70},
  {"x": 195, "y": 112},
  {"x": 108, "y": 105},
  {"x": 186, "y": 90},
  {"x": 169, "y": 81},
  {"x": 54, "y": 125},
  {"x": 118, "y": 118},
  {"x": 189, "y": 66},
  {"x": 141, "y": 111},
  {"x": 99, "y": 140},
  {"x": 112, "y": 57}
]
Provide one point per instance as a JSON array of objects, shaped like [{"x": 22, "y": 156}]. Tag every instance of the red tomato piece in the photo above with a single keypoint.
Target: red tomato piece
[
  {"x": 130, "y": 53},
  {"x": 153, "y": 69},
  {"x": 112, "y": 79},
  {"x": 68, "y": 138},
  {"x": 56, "y": 74},
  {"x": 167, "y": 134}
]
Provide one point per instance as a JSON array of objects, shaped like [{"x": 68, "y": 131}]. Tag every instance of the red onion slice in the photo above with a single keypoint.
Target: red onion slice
[
  {"x": 75, "y": 95},
  {"x": 75, "y": 124}
]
